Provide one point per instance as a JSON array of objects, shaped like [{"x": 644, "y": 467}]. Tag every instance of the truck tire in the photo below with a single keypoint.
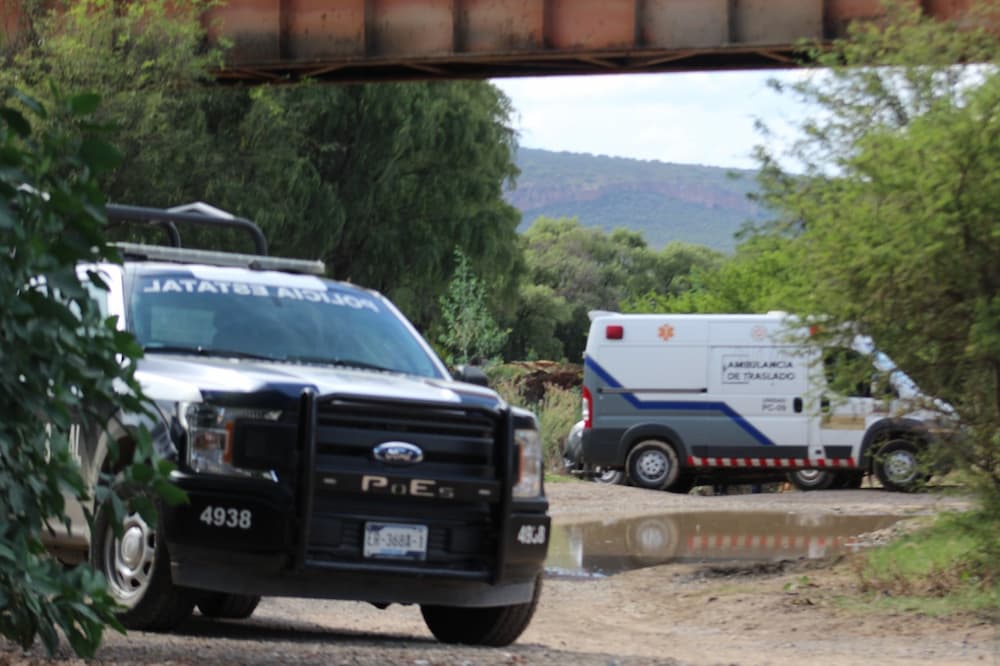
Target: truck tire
[
  {"x": 897, "y": 466},
  {"x": 495, "y": 626},
  {"x": 227, "y": 606},
  {"x": 652, "y": 464},
  {"x": 137, "y": 568},
  {"x": 812, "y": 479}
]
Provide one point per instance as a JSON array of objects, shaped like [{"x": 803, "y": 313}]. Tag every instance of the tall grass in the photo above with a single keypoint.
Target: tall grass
[
  {"x": 557, "y": 411},
  {"x": 940, "y": 568}
]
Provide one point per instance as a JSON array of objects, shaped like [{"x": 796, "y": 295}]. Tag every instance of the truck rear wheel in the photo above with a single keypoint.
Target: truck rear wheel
[
  {"x": 227, "y": 606},
  {"x": 137, "y": 568},
  {"x": 652, "y": 464},
  {"x": 495, "y": 626}
]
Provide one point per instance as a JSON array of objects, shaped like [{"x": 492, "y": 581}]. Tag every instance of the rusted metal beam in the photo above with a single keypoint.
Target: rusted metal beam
[{"x": 369, "y": 40}]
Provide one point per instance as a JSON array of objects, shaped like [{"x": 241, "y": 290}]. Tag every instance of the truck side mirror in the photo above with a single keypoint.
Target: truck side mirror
[{"x": 472, "y": 375}]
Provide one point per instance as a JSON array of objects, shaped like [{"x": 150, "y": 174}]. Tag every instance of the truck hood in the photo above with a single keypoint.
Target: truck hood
[{"x": 168, "y": 377}]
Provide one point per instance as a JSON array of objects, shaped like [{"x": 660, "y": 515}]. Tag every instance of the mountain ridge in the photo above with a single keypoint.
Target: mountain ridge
[{"x": 663, "y": 201}]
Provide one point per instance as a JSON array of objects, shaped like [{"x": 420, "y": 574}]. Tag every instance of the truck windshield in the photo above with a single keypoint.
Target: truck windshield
[{"x": 271, "y": 316}]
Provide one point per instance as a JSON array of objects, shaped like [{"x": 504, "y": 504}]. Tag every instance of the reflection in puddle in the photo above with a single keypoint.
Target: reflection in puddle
[{"x": 606, "y": 548}]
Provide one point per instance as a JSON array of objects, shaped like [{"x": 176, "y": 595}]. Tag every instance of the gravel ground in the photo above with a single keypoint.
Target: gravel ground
[{"x": 684, "y": 614}]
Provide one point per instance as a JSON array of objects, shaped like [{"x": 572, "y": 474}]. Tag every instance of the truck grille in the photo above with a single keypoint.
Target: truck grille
[{"x": 462, "y": 455}]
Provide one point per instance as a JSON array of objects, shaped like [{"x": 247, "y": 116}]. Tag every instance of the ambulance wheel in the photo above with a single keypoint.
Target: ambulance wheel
[
  {"x": 652, "y": 464},
  {"x": 812, "y": 479},
  {"x": 610, "y": 477},
  {"x": 898, "y": 467},
  {"x": 495, "y": 626}
]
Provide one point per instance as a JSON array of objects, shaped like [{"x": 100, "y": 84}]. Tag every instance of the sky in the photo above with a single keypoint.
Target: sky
[{"x": 687, "y": 118}]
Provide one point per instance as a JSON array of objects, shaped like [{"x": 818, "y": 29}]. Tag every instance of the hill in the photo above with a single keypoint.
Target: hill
[{"x": 663, "y": 201}]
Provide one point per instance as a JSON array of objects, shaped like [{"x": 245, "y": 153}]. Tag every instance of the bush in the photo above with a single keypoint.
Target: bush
[{"x": 58, "y": 363}]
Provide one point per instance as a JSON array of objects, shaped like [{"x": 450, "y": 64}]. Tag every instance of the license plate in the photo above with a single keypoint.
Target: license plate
[{"x": 395, "y": 541}]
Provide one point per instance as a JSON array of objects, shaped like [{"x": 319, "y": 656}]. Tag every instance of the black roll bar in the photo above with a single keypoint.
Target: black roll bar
[{"x": 119, "y": 214}]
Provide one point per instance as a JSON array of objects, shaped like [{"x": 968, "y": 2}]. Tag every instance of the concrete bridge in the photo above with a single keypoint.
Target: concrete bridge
[{"x": 372, "y": 40}]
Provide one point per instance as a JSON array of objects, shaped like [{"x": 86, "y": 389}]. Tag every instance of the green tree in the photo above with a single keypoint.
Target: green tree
[
  {"x": 387, "y": 179},
  {"x": 471, "y": 335},
  {"x": 591, "y": 270},
  {"x": 894, "y": 214},
  {"x": 380, "y": 181},
  {"x": 759, "y": 277},
  {"x": 540, "y": 312},
  {"x": 58, "y": 366}
]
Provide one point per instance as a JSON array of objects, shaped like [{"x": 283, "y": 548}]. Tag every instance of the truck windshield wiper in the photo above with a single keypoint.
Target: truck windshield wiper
[
  {"x": 199, "y": 350},
  {"x": 340, "y": 362}
]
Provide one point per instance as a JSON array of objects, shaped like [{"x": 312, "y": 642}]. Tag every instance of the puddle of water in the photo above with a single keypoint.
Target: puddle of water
[{"x": 599, "y": 549}]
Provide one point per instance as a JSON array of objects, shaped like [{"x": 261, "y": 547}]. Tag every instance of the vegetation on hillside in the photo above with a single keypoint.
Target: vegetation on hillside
[{"x": 664, "y": 202}]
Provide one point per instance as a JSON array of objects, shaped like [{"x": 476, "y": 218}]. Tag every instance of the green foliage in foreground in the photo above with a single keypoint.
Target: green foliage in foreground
[
  {"x": 890, "y": 222},
  {"x": 948, "y": 566},
  {"x": 58, "y": 365}
]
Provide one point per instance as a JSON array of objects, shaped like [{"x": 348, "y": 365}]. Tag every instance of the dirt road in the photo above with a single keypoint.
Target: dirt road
[{"x": 687, "y": 614}]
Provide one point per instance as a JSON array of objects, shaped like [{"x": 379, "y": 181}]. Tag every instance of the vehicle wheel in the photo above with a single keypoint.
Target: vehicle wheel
[
  {"x": 849, "y": 480},
  {"x": 228, "y": 606},
  {"x": 897, "y": 466},
  {"x": 137, "y": 568},
  {"x": 613, "y": 477},
  {"x": 495, "y": 626},
  {"x": 652, "y": 464},
  {"x": 812, "y": 479}
]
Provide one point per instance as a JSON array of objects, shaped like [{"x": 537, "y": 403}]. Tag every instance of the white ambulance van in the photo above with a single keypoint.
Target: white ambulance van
[{"x": 676, "y": 399}]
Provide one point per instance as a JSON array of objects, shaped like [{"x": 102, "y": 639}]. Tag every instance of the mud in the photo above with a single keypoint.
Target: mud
[{"x": 604, "y": 548}]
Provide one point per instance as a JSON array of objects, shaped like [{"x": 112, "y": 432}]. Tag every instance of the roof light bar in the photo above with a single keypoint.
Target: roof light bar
[{"x": 190, "y": 256}]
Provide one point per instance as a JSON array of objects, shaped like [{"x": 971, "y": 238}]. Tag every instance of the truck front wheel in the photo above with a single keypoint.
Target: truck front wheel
[
  {"x": 137, "y": 568},
  {"x": 652, "y": 464},
  {"x": 495, "y": 626}
]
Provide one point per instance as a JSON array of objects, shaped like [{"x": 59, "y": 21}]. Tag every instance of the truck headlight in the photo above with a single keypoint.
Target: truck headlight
[
  {"x": 529, "y": 479},
  {"x": 210, "y": 437}
]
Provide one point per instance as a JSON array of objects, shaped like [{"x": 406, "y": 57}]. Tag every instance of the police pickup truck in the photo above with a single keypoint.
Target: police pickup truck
[{"x": 324, "y": 448}]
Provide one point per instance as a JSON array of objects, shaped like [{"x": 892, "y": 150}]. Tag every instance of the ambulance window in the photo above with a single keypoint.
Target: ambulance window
[{"x": 848, "y": 372}]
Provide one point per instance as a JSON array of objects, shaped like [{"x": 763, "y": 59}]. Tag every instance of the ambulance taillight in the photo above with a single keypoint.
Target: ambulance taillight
[{"x": 588, "y": 409}]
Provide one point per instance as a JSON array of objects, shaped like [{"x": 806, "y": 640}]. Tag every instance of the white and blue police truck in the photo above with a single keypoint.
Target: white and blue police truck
[{"x": 324, "y": 448}]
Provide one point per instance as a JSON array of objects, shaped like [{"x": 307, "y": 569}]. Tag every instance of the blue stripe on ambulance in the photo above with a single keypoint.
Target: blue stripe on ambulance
[{"x": 686, "y": 405}]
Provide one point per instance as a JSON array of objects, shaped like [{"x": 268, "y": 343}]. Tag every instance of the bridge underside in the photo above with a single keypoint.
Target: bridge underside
[
  {"x": 365, "y": 40},
  {"x": 371, "y": 40}
]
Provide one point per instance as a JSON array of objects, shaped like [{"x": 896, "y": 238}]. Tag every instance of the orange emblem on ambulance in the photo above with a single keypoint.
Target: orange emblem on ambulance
[{"x": 666, "y": 332}]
